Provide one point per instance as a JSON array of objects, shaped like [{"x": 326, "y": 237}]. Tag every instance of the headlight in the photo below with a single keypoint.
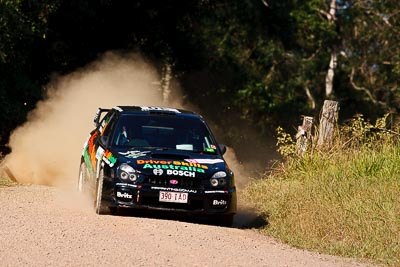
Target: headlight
[
  {"x": 126, "y": 168},
  {"x": 219, "y": 174},
  {"x": 218, "y": 179},
  {"x": 127, "y": 172}
]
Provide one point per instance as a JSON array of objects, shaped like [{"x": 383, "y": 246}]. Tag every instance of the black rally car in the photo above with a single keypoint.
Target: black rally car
[{"x": 159, "y": 159}]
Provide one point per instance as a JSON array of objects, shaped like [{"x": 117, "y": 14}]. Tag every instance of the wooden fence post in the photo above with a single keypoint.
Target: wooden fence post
[
  {"x": 304, "y": 135},
  {"x": 329, "y": 118}
]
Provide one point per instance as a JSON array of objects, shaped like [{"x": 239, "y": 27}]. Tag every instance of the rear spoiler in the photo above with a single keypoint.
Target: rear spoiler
[{"x": 97, "y": 117}]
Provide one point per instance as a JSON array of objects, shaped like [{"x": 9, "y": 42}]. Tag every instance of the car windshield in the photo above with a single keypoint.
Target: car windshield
[{"x": 164, "y": 132}]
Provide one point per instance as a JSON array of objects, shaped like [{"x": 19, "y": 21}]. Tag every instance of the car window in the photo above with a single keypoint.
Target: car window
[
  {"x": 106, "y": 124},
  {"x": 172, "y": 132}
]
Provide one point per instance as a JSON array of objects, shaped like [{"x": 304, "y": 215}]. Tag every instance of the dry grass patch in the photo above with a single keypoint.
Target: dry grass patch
[{"x": 346, "y": 202}]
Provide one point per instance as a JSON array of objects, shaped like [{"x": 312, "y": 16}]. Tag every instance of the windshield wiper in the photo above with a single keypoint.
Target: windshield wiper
[
  {"x": 204, "y": 152},
  {"x": 158, "y": 147}
]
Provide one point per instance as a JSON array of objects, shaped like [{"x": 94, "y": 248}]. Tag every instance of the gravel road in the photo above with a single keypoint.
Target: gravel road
[{"x": 48, "y": 226}]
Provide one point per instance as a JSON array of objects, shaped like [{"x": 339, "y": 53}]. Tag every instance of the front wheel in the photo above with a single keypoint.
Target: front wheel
[
  {"x": 83, "y": 181},
  {"x": 99, "y": 204}
]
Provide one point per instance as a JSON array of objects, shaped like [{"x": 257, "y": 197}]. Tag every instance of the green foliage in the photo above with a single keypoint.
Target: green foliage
[
  {"x": 267, "y": 62},
  {"x": 359, "y": 132},
  {"x": 313, "y": 32},
  {"x": 286, "y": 145},
  {"x": 22, "y": 24},
  {"x": 370, "y": 31},
  {"x": 4, "y": 180},
  {"x": 343, "y": 201},
  {"x": 23, "y": 28}
]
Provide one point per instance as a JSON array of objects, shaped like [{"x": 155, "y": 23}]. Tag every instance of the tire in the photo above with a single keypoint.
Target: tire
[
  {"x": 84, "y": 179},
  {"x": 99, "y": 205}
]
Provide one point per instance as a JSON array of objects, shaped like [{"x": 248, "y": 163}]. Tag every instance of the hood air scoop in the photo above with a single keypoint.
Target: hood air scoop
[{"x": 169, "y": 156}]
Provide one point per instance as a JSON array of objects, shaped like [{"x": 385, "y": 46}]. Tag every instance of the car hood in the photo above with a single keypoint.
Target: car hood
[{"x": 171, "y": 162}]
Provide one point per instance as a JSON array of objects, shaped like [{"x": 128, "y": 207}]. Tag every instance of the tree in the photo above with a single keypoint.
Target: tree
[
  {"x": 370, "y": 51},
  {"x": 23, "y": 26}
]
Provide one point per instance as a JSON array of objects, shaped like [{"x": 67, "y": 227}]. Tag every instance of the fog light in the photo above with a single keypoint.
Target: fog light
[
  {"x": 222, "y": 182},
  {"x": 124, "y": 175},
  {"x": 214, "y": 182},
  {"x": 132, "y": 177}
]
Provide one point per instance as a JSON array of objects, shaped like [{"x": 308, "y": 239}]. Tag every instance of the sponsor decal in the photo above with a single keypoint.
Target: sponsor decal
[
  {"x": 109, "y": 158},
  {"x": 219, "y": 202},
  {"x": 174, "y": 182},
  {"x": 85, "y": 145},
  {"x": 204, "y": 161},
  {"x": 125, "y": 184},
  {"x": 158, "y": 172},
  {"x": 91, "y": 151},
  {"x": 86, "y": 157},
  {"x": 181, "y": 173},
  {"x": 172, "y": 165},
  {"x": 174, "y": 189},
  {"x": 160, "y": 109},
  {"x": 124, "y": 195},
  {"x": 99, "y": 152},
  {"x": 103, "y": 125},
  {"x": 216, "y": 192},
  {"x": 209, "y": 149},
  {"x": 134, "y": 154}
]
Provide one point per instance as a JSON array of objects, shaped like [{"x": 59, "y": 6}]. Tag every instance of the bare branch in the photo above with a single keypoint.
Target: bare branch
[
  {"x": 332, "y": 9},
  {"x": 265, "y": 3},
  {"x": 360, "y": 88},
  {"x": 328, "y": 16},
  {"x": 310, "y": 97},
  {"x": 381, "y": 16}
]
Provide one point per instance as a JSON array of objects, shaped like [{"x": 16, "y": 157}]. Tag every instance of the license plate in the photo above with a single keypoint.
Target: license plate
[{"x": 174, "y": 197}]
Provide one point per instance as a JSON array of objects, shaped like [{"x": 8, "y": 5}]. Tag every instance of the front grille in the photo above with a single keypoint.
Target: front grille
[{"x": 181, "y": 182}]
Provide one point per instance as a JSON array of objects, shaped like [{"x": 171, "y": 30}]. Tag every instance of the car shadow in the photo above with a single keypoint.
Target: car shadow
[
  {"x": 249, "y": 218},
  {"x": 245, "y": 218}
]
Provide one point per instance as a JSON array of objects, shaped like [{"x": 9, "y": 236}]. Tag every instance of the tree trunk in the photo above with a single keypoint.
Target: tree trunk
[
  {"x": 303, "y": 135},
  {"x": 329, "y": 117},
  {"x": 330, "y": 74},
  {"x": 333, "y": 62},
  {"x": 165, "y": 82}
]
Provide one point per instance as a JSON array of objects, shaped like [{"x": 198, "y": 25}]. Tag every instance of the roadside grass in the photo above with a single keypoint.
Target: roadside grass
[
  {"x": 4, "y": 180},
  {"x": 345, "y": 201}
]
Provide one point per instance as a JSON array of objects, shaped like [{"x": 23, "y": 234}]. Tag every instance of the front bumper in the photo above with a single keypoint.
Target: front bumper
[{"x": 199, "y": 201}]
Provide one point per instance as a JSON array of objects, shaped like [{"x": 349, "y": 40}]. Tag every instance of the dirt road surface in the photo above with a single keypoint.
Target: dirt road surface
[{"x": 47, "y": 226}]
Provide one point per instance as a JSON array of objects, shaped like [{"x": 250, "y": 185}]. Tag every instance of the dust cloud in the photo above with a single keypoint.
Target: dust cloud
[{"x": 46, "y": 149}]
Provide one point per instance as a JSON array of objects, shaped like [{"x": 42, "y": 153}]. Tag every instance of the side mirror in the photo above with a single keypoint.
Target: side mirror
[
  {"x": 104, "y": 140},
  {"x": 222, "y": 148}
]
